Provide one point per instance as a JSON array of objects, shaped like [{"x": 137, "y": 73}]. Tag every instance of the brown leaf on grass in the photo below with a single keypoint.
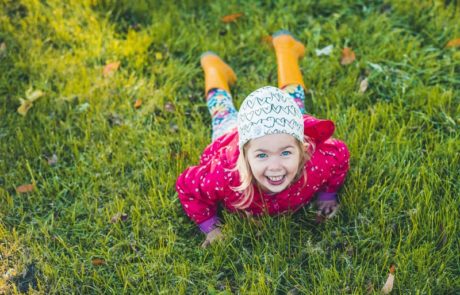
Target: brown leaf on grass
[
  {"x": 390, "y": 281},
  {"x": 118, "y": 217},
  {"x": 169, "y": 106},
  {"x": 453, "y": 43},
  {"x": 392, "y": 268},
  {"x": 348, "y": 56},
  {"x": 25, "y": 188},
  {"x": 138, "y": 103},
  {"x": 110, "y": 68},
  {"x": 231, "y": 17},
  {"x": 98, "y": 261},
  {"x": 363, "y": 85}
]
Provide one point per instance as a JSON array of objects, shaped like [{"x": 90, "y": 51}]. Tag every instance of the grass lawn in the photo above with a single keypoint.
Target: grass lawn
[{"x": 116, "y": 112}]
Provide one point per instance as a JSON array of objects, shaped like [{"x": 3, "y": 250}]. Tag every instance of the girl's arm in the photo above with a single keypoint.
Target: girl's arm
[
  {"x": 336, "y": 152},
  {"x": 199, "y": 189}
]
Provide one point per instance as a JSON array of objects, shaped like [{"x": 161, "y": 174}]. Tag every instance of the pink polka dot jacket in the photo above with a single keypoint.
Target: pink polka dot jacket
[{"x": 203, "y": 187}]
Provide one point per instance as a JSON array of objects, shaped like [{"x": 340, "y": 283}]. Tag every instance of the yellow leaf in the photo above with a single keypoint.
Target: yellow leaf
[
  {"x": 231, "y": 17},
  {"x": 33, "y": 95},
  {"x": 348, "y": 56},
  {"x": 454, "y": 43},
  {"x": 110, "y": 68},
  {"x": 24, "y": 107},
  {"x": 159, "y": 55}
]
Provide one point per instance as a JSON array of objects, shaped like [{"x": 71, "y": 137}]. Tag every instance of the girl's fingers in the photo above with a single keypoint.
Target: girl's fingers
[
  {"x": 205, "y": 244},
  {"x": 334, "y": 211}
]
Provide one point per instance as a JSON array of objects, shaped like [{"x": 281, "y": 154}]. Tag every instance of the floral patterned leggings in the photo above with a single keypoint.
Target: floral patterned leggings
[{"x": 224, "y": 114}]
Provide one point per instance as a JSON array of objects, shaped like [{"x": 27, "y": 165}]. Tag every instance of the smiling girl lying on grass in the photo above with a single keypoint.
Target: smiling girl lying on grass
[{"x": 268, "y": 158}]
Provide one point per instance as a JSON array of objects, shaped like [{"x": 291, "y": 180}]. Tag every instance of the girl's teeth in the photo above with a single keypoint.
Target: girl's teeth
[{"x": 275, "y": 178}]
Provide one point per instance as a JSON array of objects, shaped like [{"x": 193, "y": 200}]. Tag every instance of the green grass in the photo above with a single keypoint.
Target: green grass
[{"x": 400, "y": 203}]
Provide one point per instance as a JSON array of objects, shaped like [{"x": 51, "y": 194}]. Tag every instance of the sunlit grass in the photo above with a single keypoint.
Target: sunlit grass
[{"x": 399, "y": 204}]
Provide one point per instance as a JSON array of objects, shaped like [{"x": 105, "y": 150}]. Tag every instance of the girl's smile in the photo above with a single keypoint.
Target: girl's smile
[{"x": 274, "y": 160}]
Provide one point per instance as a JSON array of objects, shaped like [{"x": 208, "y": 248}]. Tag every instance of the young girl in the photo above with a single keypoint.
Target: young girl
[{"x": 270, "y": 157}]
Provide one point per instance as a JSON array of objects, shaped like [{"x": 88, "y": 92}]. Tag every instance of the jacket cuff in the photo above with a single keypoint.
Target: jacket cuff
[
  {"x": 208, "y": 225},
  {"x": 323, "y": 196}
]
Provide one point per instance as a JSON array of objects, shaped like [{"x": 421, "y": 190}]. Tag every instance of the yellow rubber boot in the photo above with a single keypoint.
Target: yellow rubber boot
[
  {"x": 288, "y": 51},
  {"x": 217, "y": 74}
]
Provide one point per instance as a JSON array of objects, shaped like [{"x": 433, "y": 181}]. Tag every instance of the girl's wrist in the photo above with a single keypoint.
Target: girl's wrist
[
  {"x": 209, "y": 225},
  {"x": 324, "y": 196}
]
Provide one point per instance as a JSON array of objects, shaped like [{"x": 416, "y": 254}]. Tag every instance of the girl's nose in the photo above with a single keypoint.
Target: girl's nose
[{"x": 274, "y": 165}]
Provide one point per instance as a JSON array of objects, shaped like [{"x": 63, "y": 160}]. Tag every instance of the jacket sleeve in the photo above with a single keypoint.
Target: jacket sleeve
[
  {"x": 337, "y": 155},
  {"x": 199, "y": 190}
]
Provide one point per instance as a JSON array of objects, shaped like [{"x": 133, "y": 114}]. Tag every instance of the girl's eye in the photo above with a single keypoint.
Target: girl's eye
[
  {"x": 261, "y": 156},
  {"x": 285, "y": 153}
]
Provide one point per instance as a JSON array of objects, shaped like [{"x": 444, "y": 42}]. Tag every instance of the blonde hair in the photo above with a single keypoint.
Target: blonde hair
[{"x": 247, "y": 178}]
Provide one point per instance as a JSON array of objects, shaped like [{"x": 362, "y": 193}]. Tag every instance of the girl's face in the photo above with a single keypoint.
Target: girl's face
[{"x": 274, "y": 160}]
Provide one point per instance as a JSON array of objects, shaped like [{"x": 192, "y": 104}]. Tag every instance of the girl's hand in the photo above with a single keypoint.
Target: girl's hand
[
  {"x": 211, "y": 237},
  {"x": 328, "y": 208}
]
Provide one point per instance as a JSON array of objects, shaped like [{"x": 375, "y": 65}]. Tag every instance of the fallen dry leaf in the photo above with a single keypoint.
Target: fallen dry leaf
[
  {"x": 52, "y": 160},
  {"x": 453, "y": 43},
  {"x": 98, "y": 261},
  {"x": 26, "y": 104},
  {"x": 348, "y": 56},
  {"x": 24, "y": 107},
  {"x": 169, "y": 106},
  {"x": 110, "y": 68},
  {"x": 138, "y": 103},
  {"x": 390, "y": 281},
  {"x": 33, "y": 95},
  {"x": 118, "y": 217},
  {"x": 363, "y": 85},
  {"x": 231, "y": 17},
  {"x": 25, "y": 188}
]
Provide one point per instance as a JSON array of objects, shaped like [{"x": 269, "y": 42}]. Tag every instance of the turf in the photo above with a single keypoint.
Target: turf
[{"x": 92, "y": 155}]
